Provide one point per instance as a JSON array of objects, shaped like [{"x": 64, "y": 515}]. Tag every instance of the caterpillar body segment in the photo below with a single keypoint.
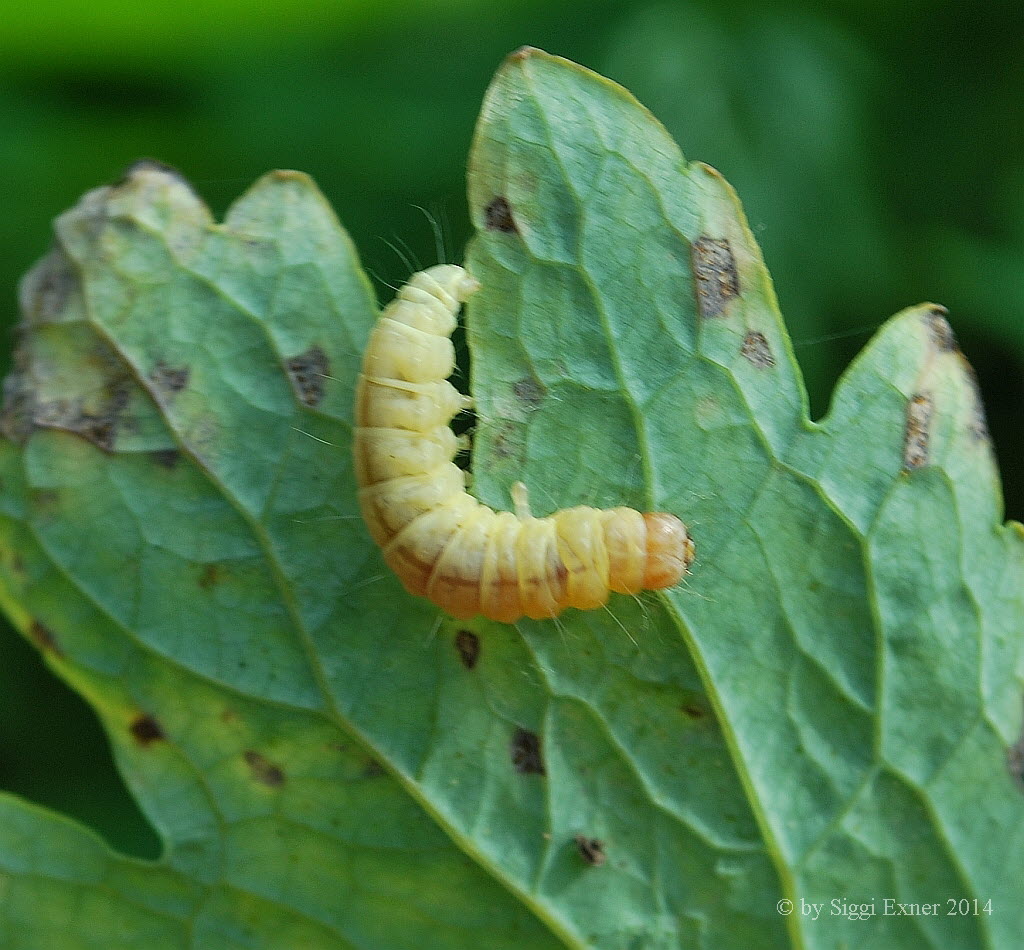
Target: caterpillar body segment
[{"x": 441, "y": 542}]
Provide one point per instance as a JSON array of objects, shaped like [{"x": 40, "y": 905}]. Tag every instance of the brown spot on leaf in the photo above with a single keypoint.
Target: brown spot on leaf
[
  {"x": 44, "y": 638},
  {"x": 529, "y": 391},
  {"x": 373, "y": 769},
  {"x": 523, "y": 53},
  {"x": 498, "y": 217},
  {"x": 43, "y": 499},
  {"x": 16, "y": 415},
  {"x": 591, "y": 850},
  {"x": 169, "y": 379},
  {"x": 98, "y": 427},
  {"x": 146, "y": 730},
  {"x": 694, "y": 711},
  {"x": 941, "y": 332},
  {"x": 211, "y": 575},
  {"x": 45, "y": 290},
  {"x": 757, "y": 351},
  {"x": 166, "y": 458},
  {"x": 263, "y": 770},
  {"x": 307, "y": 372},
  {"x": 717, "y": 281},
  {"x": 918, "y": 431},
  {"x": 468, "y": 645},
  {"x": 527, "y": 756},
  {"x": 507, "y": 441},
  {"x": 1015, "y": 762}
]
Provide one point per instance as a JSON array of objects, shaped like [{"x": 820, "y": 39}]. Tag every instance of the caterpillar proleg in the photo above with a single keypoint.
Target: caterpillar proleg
[{"x": 441, "y": 542}]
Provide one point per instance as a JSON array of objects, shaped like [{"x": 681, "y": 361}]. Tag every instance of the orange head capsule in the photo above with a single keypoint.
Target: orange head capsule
[{"x": 669, "y": 550}]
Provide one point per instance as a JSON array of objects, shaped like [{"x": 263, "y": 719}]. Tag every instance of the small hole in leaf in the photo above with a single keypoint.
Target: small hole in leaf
[
  {"x": 146, "y": 730},
  {"x": 467, "y": 644},
  {"x": 527, "y": 757},
  {"x": 591, "y": 850},
  {"x": 498, "y": 217}
]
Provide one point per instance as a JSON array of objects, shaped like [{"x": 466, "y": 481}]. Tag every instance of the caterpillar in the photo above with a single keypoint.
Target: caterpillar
[{"x": 441, "y": 542}]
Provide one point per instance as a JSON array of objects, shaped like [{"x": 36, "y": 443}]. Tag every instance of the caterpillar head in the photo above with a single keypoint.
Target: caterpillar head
[
  {"x": 669, "y": 550},
  {"x": 451, "y": 278}
]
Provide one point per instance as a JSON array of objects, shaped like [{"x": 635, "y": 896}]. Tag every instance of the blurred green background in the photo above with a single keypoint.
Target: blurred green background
[{"x": 878, "y": 148}]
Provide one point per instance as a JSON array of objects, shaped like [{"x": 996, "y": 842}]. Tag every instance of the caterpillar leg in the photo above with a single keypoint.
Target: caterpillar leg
[{"x": 521, "y": 501}]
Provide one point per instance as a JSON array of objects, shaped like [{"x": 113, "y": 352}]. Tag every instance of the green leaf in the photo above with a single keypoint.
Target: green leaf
[
  {"x": 192, "y": 563},
  {"x": 829, "y": 709},
  {"x": 855, "y": 609}
]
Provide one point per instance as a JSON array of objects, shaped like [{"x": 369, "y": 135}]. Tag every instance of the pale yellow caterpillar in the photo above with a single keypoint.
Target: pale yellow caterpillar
[{"x": 443, "y": 543}]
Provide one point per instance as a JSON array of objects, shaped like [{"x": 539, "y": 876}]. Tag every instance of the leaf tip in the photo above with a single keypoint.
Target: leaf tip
[
  {"x": 524, "y": 53},
  {"x": 146, "y": 182},
  {"x": 942, "y": 335},
  {"x": 289, "y": 176},
  {"x": 150, "y": 166}
]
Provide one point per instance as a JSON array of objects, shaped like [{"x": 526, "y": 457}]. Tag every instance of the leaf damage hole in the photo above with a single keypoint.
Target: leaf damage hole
[
  {"x": 718, "y": 282},
  {"x": 146, "y": 730},
  {"x": 263, "y": 770},
  {"x": 44, "y": 638},
  {"x": 498, "y": 217},
  {"x": 757, "y": 351},
  {"x": 467, "y": 644},
  {"x": 920, "y": 410},
  {"x": 169, "y": 379},
  {"x": 307, "y": 372},
  {"x": 942, "y": 335},
  {"x": 528, "y": 391},
  {"x": 591, "y": 850},
  {"x": 527, "y": 757}
]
